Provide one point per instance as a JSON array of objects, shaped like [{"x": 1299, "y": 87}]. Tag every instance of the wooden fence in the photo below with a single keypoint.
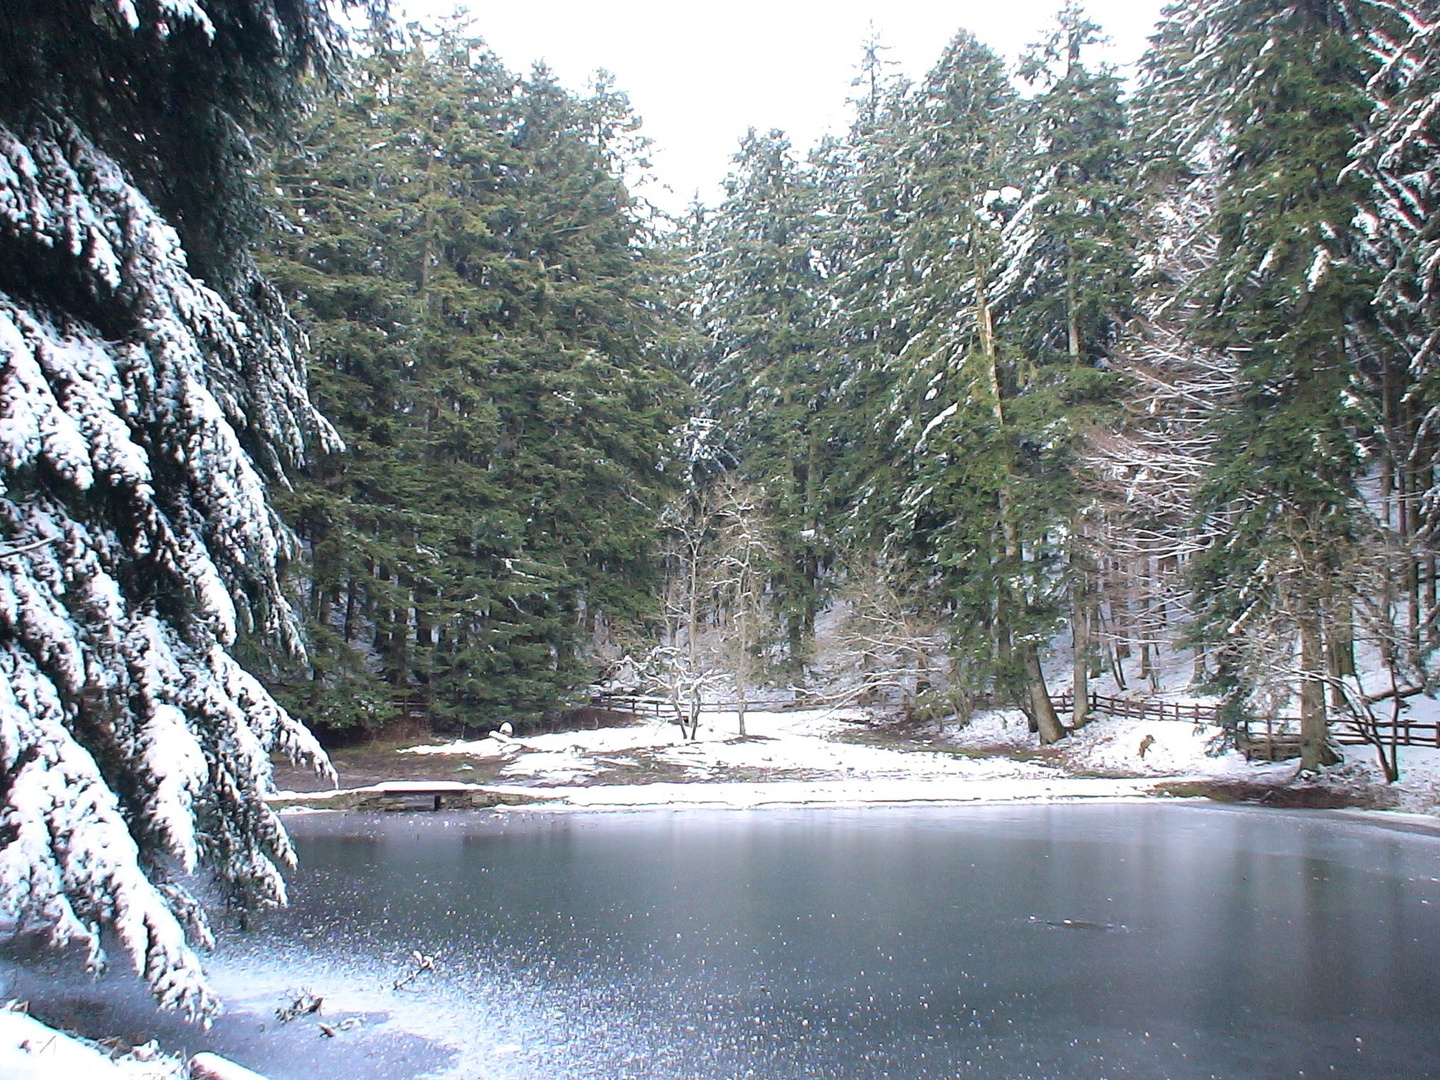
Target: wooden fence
[
  {"x": 651, "y": 705},
  {"x": 1343, "y": 730},
  {"x": 1390, "y": 733},
  {"x": 1142, "y": 709}
]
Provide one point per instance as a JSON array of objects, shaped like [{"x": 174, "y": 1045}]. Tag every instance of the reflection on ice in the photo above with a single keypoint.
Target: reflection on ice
[{"x": 1066, "y": 941}]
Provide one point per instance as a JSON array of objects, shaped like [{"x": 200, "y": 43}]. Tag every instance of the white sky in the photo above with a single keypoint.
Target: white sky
[{"x": 700, "y": 74}]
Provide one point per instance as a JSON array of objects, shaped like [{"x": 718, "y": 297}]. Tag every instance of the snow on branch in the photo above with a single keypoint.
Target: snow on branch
[
  {"x": 136, "y": 546},
  {"x": 70, "y": 862}
]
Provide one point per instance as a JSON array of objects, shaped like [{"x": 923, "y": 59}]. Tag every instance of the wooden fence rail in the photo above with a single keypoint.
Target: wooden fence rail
[
  {"x": 651, "y": 705},
  {"x": 1404, "y": 733},
  {"x": 1141, "y": 709},
  {"x": 1344, "y": 731}
]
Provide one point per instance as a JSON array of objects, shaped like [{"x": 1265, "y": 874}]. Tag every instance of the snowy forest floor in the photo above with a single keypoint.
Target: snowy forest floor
[
  {"x": 844, "y": 757},
  {"x": 29, "y": 1050}
]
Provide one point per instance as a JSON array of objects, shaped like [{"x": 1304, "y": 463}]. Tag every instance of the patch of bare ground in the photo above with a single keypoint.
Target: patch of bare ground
[
  {"x": 637, "y": 767},
  {"x": 1320, "y": 793},
  {"x": 667, "y": 772},
  {"x": 1094, "y": 773},
  {"x": 898, "y": 734},
  {"x": 375, "y": 762},
  {"x": 923, "y": 737}
]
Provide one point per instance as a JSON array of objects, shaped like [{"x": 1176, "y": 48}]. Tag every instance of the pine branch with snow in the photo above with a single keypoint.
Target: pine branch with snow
[{"x": 142, "y": 414}]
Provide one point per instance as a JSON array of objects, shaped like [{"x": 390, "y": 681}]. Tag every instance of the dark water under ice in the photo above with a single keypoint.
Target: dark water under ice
[{"x": 1069, "y": 942}]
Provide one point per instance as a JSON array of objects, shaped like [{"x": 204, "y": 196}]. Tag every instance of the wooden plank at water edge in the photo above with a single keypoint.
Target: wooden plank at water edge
[{"x": 392, "y": 792}]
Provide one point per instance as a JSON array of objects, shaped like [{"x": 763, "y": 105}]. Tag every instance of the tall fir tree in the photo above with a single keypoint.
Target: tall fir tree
[
  {"x": 1065, "y": 283},
  {"x": 974, "y": 458},
  {"x": 864, "y": 202},
  {"x": 1278, "y": 92},
  {"x": 143, "y": 411},
  {"x": 1401, "y": 237},
  {"x": 765, "y": 378},
  {"x": 483, "y": 302}
]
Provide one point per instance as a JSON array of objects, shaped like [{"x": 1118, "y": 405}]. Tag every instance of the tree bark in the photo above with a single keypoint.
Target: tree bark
[
  {"x": 1080, "y": 638},
  {"x": 1314, "y": 725},
  {"x": 1041, "y": 708}
]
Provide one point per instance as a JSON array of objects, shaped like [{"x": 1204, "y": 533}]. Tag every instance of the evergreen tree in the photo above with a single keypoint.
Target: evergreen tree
[
  {"x": 1401, "y": 239},
  {"x": 864, "y": 203},
  {"x": 142, "y": 412},
  {"x": 1068, "y": 257},
  {"x": 977, "y": 460},
  {"x": 484, "y": 303},
  {"x": 1065, "y": 281},
  {"x": 1279, "y": 92},
  {"x": 766, "y": 378}
]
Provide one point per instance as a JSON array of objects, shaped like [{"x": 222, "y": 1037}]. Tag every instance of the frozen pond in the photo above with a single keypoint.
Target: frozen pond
[{"x": 1074, "y": 942}]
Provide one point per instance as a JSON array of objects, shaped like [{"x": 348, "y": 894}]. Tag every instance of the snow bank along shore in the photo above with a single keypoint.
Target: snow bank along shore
[
  {"x": 828, "y": 757},
  {"x": 30, "y": 1050}
]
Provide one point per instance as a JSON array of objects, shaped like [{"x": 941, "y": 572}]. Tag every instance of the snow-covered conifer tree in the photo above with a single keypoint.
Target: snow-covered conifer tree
[
  {"x": 1278, "y": 92},
  {"x": 142, "y": 410},
  {"x": 1064, "y": 283},
  {"x": 1402, "y": 158},
  {"x": 979, "y": 461},
  {"x": 1400, "y": 226},
  {"x": 766, "y": 377}
]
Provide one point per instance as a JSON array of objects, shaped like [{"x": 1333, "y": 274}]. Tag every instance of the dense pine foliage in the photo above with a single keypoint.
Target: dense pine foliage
[
  {"x": 486, "y": 322},
  {"x": 1107, "y": 379},
  {"x": 1073, "y": 383},
  {"x": 149, "y": 390}
]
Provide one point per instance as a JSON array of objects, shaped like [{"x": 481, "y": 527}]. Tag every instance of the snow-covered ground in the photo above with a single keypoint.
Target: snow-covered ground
[
  {"x": 834, "y": 757},
  {"x": 29, "y": 1050},
  {"x": 845, "y": 756}
]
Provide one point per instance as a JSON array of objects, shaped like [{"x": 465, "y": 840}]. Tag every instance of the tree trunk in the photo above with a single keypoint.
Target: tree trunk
[
  {"x": 347, "y": 624},
  {"x": 1339, "y": 650},
  {"x": 1080, "y": 637},
  {"x": 742, "y": 653},
  {"x": 1041, "y": 708},
  {"x": 692, "y": 623},
  {"x": 1313, "y": 720},
  {"x": 1110, "y": 649},
  {"x": 1072, "y": 310}
]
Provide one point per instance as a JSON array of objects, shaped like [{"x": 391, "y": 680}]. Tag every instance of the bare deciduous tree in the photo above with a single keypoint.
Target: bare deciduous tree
[{"x": 717, "y": 614}]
